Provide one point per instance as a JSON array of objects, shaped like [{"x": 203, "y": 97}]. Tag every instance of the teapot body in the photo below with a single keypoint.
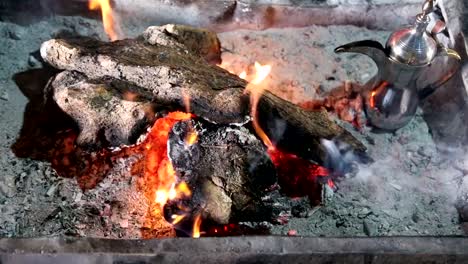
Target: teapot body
[{"x": 391, "y": 96}]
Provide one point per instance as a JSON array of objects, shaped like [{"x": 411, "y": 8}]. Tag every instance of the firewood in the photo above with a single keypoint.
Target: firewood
[
  {"x": 167, "y": 72},
  {"x": 227, "y": 170},
  {"x": 170, "y": 74}
]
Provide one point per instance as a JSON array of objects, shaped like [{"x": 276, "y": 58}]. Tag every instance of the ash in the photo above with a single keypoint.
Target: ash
[{"x": 410, "y": 189}]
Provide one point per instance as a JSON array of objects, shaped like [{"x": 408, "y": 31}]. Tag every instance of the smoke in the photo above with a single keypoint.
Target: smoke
[
  {"x": 340, "y": 157},
  {"x": 406, "y": 181},
  {"x": 410, "y": 176}
]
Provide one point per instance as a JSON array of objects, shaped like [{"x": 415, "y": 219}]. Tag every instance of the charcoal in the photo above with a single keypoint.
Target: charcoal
[{"x": 227, "y": 169}]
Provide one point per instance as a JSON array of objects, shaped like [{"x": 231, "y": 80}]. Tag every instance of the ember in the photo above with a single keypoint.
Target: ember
[{"x": 160, "y": 179}]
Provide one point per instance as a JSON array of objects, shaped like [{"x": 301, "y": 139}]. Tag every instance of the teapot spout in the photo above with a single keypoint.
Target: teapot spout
[{"x": 371, "y": 48}]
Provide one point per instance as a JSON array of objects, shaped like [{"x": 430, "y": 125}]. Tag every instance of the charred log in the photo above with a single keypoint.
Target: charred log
[
  {"x": 165, "y": 71},
  {"x": 227, "y": 170},
  {"x": 298, "y": 131},
  {"x": 169, "y": 73}
]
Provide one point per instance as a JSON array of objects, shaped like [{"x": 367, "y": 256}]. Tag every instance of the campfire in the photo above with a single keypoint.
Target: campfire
[
  {"x": 209, "y": 147},
  {"x": 207, "y": 144}
]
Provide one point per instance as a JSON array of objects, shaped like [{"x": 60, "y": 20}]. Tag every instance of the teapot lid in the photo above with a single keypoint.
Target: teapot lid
[{"x": 413, "y": 45}]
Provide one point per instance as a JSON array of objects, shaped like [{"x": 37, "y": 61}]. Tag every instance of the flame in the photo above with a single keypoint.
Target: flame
[
  {"x": 298, "y": 176},
  {"x": 192, "y": 138},
  {"x": 196, "y": 226},
  {"x": 108, "y": 19},
  {"x": 158, "y": 167},
  {"x": 372, "y": 99},
  {"x": 177, "y": 218},
  {"x": 256, "y": 88},
  {"x": 261, "y": 72},
  {"x": 192, "y": 135},
  {"x": 243, "y": 75}
]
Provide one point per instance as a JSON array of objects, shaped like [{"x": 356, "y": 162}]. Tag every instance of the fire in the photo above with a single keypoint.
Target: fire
[
  {"x": 192, "y": 138},
  {"x": 177, "y": 218},
  {"x": 160, "y": 177},
  {"x": 255, "y": 88},
  {"x": 158, "y": 168},
  {"x": 297, "y": 176},
  {"x": 192, "y": 135},
  {"x": 108, "y": 19},
  {"x": 196, "y": 226},
  {"x": 261, "y": 72}
]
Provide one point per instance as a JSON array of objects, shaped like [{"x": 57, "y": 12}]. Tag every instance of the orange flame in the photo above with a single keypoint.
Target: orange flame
[
  {"x": 284, "y": 162},
  {"x": 256, "y": 89},
  {"x": 108, "y": 18},
  {"x": 177, "y": 218},
  {"x": 196, "y": 226},
  {"x": 158, "y": 166},
  {"x": 192, "y": 138},
  {"x": 192, "y": 135}
]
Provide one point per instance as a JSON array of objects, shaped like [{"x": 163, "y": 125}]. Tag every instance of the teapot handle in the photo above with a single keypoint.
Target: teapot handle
[{"x": 443, "y": 51}]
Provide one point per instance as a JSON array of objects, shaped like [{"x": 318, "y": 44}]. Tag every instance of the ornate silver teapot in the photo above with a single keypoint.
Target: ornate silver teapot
[{"x": 393, "y": 94}]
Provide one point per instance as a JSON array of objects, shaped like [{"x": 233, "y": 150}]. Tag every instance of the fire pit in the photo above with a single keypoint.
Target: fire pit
[{"x": 216, "y": 128}]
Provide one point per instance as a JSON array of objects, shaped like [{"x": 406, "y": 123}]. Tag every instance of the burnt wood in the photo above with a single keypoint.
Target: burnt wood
[
  {"x": 170, "y": 73},
  {"x": 227, "y": 169}
]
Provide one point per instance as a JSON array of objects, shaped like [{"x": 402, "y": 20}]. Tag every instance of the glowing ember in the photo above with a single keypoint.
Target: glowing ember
[
  {"x": 196, "y": 226},
  {"x": 192, "y": 138},
  {"x": 158, "y": 168},
  {"x": 108, "y": 19}
]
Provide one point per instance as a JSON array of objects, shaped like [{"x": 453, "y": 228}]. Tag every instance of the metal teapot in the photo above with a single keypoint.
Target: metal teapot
[{"x": 393, "y": 94}]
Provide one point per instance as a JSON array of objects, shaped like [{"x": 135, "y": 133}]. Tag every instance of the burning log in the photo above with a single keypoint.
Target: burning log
[
  {"x": 166, "y": 72},
  {"x": 227, "y": 169},
  {"x": 171, "y": 74}
]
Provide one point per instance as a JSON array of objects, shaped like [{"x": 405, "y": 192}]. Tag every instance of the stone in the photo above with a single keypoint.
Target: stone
[{"x": 370, "y": 228}]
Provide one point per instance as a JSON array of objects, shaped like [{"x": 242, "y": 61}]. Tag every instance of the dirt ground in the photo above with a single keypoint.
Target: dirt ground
[{"x": 410, "y": 189}]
